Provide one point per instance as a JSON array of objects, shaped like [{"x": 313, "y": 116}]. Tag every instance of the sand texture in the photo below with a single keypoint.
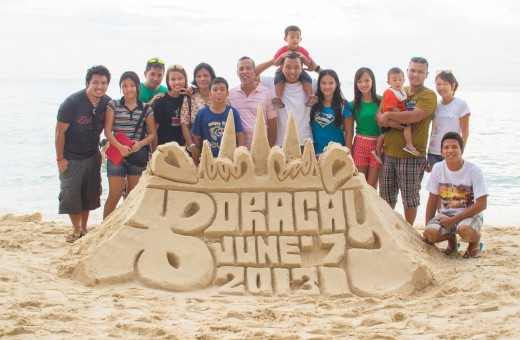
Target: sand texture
[{"x": 475, "y": 298}]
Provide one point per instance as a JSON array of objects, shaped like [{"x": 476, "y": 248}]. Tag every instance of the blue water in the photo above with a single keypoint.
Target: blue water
[{"x": 29, "y": 176}]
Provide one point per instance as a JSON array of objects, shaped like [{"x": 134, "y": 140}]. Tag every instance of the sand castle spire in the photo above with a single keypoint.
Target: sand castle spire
[
  {"x": 260, "y": 144},
  {"x": 229, "y": 139},
  {"x": 291, "y": 142}
]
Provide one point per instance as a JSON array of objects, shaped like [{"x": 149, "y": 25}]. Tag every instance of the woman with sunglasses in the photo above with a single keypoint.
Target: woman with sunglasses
[
  {"x": 167, "y": 110},
  {"x": 122, "y": 115},
  {"x": 451, "y": 114},
  {"x": 203, "y": 75}
]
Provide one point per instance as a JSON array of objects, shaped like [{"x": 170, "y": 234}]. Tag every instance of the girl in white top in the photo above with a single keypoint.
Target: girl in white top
[{"x": 452, "y": 114}]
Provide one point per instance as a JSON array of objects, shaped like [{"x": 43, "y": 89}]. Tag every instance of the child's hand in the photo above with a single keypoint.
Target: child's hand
[
  {"x": 306, "y": 61},
  {"x": 278, "y": 61}
]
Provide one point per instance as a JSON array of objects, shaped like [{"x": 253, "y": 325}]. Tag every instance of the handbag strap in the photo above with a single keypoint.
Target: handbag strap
[{"x": 140, "y": 121}]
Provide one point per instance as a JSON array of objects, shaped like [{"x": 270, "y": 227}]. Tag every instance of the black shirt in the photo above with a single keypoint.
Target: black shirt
[
  {"x": 167, "y": 113},
  {"x": 85, "y": 124}
]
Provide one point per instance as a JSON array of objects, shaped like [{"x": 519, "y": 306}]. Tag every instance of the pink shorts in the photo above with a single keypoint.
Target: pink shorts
[{"x": 362, "y": 151}]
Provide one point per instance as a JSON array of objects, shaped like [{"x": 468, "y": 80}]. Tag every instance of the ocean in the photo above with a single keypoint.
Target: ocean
[{"x": 30, "y": 176}]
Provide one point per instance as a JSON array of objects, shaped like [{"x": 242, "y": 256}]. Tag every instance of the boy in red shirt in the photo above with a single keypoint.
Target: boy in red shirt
[{"x": 293, "y": 39}]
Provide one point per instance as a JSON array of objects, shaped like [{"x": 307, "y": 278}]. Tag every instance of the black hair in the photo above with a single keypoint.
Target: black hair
[
  {"x": 448, "y": 77},
  {"x": 219, "y": 80},
  {"x": 134, "y": 77},
  {"x": 338, "y": 99},
  {"x": 207, "y": 67},
  {"x": 394, "y": 70},
  {"x": 99, "y": 70},
  {"x": 293, "y": 55},
  {"x": 158, "y": 62},
  {"x": 292, "y": 28},
  {"x": 419, "y": 60},
  {"x": 455, "y": 136},
  {"x": 357, "y": 93},
  {"x": 246, "y": 58}
]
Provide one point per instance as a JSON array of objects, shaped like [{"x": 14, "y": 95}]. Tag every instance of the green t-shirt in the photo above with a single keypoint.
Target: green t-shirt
[
  {"x": 426, "y": 100},
  {"x": 365, "y": 119},
  {"x": 147, "y": 94}
]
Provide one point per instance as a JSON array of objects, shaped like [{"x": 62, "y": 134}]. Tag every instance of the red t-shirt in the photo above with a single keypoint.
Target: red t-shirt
[
  {"x": 390, "y": 100},
  {"x": 285, "y": 49}
]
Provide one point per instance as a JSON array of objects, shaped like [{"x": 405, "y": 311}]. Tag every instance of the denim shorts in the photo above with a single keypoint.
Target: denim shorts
[
  {"x": 432, "y": 159},
  {"x": 123, "y": 169}
]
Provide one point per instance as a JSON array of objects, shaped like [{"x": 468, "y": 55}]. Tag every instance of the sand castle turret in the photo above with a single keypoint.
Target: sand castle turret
[{"x": 265, "y": 222}]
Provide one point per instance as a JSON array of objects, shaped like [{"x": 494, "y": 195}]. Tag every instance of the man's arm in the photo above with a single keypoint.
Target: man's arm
[
  {"x": 273, "y": 129},
  {"x": 431, "y": 207},
  {"x": 477, "y": 207},
  {"x": 59, "y": 142}
]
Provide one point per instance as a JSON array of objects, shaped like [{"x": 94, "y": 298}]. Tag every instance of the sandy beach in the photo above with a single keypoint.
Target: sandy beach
[{"x": 476, "y": 298}]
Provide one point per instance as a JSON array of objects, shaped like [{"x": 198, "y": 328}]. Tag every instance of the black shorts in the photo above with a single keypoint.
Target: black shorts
[{"x": 80, "y": 186}]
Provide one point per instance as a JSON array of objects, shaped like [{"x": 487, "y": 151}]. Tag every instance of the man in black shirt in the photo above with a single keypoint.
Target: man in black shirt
[{"x": 81, "y": 118}]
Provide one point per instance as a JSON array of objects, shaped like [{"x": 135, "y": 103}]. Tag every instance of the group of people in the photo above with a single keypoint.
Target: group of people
[{"x": 388, "y": 135}]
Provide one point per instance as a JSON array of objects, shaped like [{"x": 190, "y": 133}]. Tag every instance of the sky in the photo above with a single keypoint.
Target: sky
[{"x": 59, "y": 39}]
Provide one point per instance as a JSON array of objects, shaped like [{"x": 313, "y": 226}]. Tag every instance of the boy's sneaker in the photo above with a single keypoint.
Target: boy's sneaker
[
  {"x": 377, "y": 156},
  {"x": 311, "y": 101},
  {"x": 278, "y": 102}
]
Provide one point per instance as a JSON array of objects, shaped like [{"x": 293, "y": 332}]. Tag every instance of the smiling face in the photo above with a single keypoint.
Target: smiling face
[
  {"x": 292, "y": 69},
  {"x": 129, "y": 89},
  {"x": 177, "y": 81},
  {"x": 444, "y": 89},
  {"x": 417, "y": 73},
  {"x": 246, "y": 71},
  {"x": 203, "y": 78},
  {"x": 451, "y": 151},
  {"x": 364, "y": 84},
  {"x": 328, "y": 86},
  {"x": 97, "y": 86},
  {"x": 154, "y": 77}
]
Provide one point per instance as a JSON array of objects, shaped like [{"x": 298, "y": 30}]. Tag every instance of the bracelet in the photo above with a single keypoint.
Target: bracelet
[{"x": 60, "y": 159}]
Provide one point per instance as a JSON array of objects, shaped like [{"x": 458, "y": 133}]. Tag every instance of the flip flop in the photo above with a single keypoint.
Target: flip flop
[
  {"x": 377, "y": 157},
  {"x": 473, "y": 253},
  {"x": 311, "y": 101},
  {"x": 448, "y": 251},
  {"x": 71, "y": 238},
  {"x": 412, "y": 151},
  {"x": 278, "y": 102}
]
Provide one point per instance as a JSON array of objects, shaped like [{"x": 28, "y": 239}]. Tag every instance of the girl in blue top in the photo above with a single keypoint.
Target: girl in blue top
[{"x": 331, "y": 119}]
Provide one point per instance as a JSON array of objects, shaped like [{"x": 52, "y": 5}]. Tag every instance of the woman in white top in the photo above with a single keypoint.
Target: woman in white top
[{"x": 452, "y": 114}]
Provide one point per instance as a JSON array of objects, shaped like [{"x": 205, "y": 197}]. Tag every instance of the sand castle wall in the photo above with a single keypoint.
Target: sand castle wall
[{"x": 262, "y": 222}]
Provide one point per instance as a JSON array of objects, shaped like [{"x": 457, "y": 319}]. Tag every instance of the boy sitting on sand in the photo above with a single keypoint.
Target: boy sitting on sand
[
  {"x": 293, "y": 39},
  {"x": 461, "y": 187},
  {"x": 394, "y": 100}
]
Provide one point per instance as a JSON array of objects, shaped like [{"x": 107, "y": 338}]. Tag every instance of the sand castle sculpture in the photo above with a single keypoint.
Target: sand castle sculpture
[{"x": 270, "y": 221}]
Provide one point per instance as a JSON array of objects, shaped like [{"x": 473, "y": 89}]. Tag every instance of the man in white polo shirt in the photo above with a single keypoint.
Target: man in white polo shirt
[{"x": 247, "y": 96}]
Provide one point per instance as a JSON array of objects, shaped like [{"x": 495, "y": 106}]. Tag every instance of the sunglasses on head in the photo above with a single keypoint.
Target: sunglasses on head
[
  {"x": 444, "y": 71},
  {"x": 155, "y": 60},
  {"x": 176, "y": 67}
]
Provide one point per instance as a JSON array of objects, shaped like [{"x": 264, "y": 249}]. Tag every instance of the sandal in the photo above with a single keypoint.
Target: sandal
[
  {"x": 475, "y": 252},
  {"x": 449, "y": 252},
  {"x": 412, "y": 151},
  {"x": 311, "y": 101},
  {"x": 278, "y": 102},
  {"x": 71, "y": 238},
  {"x": 377, "y": 156},
  {"x": 84, "y": 233}
]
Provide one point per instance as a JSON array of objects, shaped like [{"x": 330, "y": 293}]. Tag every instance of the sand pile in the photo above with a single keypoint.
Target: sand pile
[{"x": 266, "y": 222}]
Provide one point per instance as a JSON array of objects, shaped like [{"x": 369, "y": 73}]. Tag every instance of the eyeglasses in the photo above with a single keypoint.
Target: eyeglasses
[
  {"x": 156, "y": 60},
  {"x": 444, "y": 71},
  {"x": 175, "y": 67}
]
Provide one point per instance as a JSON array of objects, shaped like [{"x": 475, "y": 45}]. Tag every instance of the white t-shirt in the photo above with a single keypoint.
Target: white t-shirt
[
  {"x": 446, "y": 119},
  {"x": 457, "y": 189},
  {"x": 294, "y": 99}
]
